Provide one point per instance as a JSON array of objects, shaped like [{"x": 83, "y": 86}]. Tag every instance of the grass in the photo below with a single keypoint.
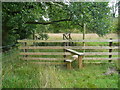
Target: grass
[{"x": 21, "y": 74}]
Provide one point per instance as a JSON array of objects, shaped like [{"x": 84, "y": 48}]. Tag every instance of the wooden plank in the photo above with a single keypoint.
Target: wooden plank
[
  {"x": 110, "y": 50},
  {"x": 36, "y": 58},
  {"x": 73, "y": 51},
  {"x": 93, "y": 47},
  {"x": 42, "y": 47},
  {"x": 50, "y": 63},
  {"x": 69, "y": 66},
  {"x": 45, "y": 53},
  {"x": 101, "y": 53},
  {"x": 97, "y": 58},
  {"x": 69, "y": 47},
  {"x": 95, "y": 62},
  {"x": 68, "y": 60},
  {"x": 80, "y": 62},
  {"x": 99, "y": 40}
]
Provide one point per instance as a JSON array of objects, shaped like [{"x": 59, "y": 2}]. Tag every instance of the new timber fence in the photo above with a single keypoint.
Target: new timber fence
[{"x": 54, "y": 52}]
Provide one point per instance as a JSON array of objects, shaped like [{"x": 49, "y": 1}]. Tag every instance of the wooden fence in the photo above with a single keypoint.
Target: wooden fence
[{"x": 111, "y": 50}]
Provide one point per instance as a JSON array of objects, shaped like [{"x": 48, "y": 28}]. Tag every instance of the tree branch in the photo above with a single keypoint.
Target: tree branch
[
  {"x": 52, "y": 22},
  {"x": 46, "y": 23}
]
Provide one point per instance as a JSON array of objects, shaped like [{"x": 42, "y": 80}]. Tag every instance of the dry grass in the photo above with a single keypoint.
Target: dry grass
[{"x": 76, "y": 36}]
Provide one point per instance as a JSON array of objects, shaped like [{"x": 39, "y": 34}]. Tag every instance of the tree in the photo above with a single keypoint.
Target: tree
[
  {"x": 19, "y": 20},
  {"x": 14, "y": 16},
  {"x": 96, "y": 15}
]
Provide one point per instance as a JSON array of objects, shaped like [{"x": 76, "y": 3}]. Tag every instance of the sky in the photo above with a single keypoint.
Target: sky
[{"x": 113, "y": 2}]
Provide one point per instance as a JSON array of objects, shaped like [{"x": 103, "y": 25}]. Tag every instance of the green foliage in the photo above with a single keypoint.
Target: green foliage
[
  {"x": 43, "y": 36},
  {"x": 114, "y": 25},
  {"x": 96, "y": 15},
  {"x": 15, "y": 16}
]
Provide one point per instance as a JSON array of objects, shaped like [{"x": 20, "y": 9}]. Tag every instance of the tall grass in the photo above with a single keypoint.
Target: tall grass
[
  {"x": 22, "y": 74},
  {"x": 18, "y": 73}
]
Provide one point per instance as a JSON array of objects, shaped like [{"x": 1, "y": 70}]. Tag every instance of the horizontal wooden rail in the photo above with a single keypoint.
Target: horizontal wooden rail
[
  {"x": 45, "y": 53},
  {"x": 101, "y": 53},
  {"x": 96, "y": 62},
  {"x": 99, "y": 40},
  {"x": 68, "y": 47},
  {"x": 97, "y": 58},
  {"x": 37, "y": 58},
  {"x": 42, "y": 47},
  {"x": 55, "y": 63},
  {"x": 61, "y": 59}
]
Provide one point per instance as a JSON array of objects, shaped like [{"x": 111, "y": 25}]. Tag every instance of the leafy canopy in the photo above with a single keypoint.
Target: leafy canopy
[{"x": 20, "y": 19}]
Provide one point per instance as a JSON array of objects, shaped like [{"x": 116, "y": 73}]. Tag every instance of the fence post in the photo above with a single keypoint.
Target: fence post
[
  {"x": 110, "y": 50},
  {"x": 84, "y": 32},
  {"x": 69, "y": 66},
  {"x": 25, "y": 50},
  {"x": 80, "y": 61}
]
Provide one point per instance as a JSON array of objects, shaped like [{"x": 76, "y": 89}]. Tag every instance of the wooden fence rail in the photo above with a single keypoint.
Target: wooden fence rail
[
  {"x": 99, "y": 40},
  {"x": 36, "y": 53},
  {"x": 70, "y": 47}
]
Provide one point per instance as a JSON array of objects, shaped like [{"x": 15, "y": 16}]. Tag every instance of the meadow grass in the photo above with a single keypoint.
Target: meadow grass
[
  {"x": 18, "y": 73},
  {"x": 22, "y": 74},
  {"x": 79, "y": 36}
]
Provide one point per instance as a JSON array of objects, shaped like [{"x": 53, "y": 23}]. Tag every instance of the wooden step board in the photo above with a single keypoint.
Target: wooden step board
[
  {"x": 69, "y": 60},
  {"x": 74, "y": 52}
]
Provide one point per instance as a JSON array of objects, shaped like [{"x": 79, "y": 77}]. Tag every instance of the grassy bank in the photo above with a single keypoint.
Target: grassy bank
[{"x": 20, "y": 74}]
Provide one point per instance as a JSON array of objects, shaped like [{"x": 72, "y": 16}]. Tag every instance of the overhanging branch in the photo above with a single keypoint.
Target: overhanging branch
[
  {"x": 46, "y": 23},
  {"x": 52, "y": 22}
]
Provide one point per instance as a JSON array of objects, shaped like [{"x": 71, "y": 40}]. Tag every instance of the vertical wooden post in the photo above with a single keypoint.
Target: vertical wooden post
[
  {"x": 69, "y": 66},
  {"x": 25, "y": 50},
  {"x": 84, "y": 35},
  {"x": 110, "y": 50},
  {"x": 84, "y": 38},
  {"x": 80, "y": 61},
  {"x": 84, "y": 30},
  {"x": 33, "y": 35},
  {"x": 64, "y": 44}
]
